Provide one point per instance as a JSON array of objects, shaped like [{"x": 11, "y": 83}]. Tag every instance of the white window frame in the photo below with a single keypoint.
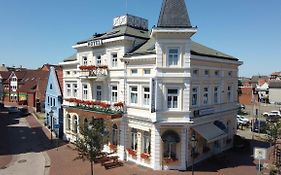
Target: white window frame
[
  {"x": 114, "y": 93},
  {"x": 75, "y": 89},
  {"x": 134, "y": 140},
  {"x": 98, "y": 60},
  {"x": 68, "y": 89},
  {"x": 146, "y": 147},
  {"x": 134, "y": 71},
  {"x": 133, "y": 92},
  {"x": 147, "y": 71},
  {"x": 99, "y": 92},
  {"x": 146, "y": 96},
  {"x": 85, "y": 91},
  {"x": 172, "y": 100},
  {"x": 114, "y": 60},
  {"x": 216, "y": 95},
  {"x": 197, "y": 95},
  {"x": 84, "y": 60},
  {"x": 206, "y": 95},
  {"x": 170, "y": 62}
]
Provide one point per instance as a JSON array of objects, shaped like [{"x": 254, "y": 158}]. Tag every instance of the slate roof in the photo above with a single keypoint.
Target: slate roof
[
  {"x": 275, "y": 84},
  {"x": 174, "y": 15},
  {"x": 70, "y": 58},
  {"x": 196, "y": 49},
  {"x": 119, "y": 31}
]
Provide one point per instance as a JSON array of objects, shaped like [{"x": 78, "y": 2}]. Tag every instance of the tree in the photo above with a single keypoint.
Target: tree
[
  {"x": 274, "y": 132},
  {"x": 90, "y": 143}
]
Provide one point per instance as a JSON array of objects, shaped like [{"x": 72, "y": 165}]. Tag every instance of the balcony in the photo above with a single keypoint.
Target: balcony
[
  {"x": 95, "y": 109},
  {"x": 93, "y": 72}
]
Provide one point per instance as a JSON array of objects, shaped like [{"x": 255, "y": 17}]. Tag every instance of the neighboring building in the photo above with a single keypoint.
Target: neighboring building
[
  {"x": 53, "y": 101},
  {"x": 1, "y": 89},
  {"x": 172, "y": 89},
  {"x": 25, "y": 87},
  {"x": 275, "y": 76},
  {"x": 263, "y": 89},
  {"x": 3, "y": 68},
  {"x": 275, "y": 91}
]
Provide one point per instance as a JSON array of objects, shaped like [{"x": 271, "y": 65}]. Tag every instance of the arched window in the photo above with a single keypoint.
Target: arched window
[
  {"x": 68, "y": 122},
  {"x": 75, "y": 124},
  {"x": 134, "y": 140},
  {"x": 146, "y": 142},
  {"x": 170, "y": 139},
  {"x": 114, "y": 134}
]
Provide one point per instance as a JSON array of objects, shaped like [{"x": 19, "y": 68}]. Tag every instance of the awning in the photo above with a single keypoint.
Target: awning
[
  {"x": 170, "y": 136},
  {"x": 210, "y": 132}
]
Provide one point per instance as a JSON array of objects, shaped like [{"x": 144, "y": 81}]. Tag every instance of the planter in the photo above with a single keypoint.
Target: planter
[
  {"x": 113, "y": 147},
  {"x": 132, "y": 152},
  {"x": 168, "y": 160},
  {"x": 145, "y": 156}
]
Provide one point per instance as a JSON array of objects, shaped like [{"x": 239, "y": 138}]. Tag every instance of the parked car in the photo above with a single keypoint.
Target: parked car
[
  {"x": 13, "y": 109},
  {"x": 24, "y": 111},
  {"x": 242, "y": 120},
  {"x": 259, "y": 126},
  {"x": 272, "y": 113}
]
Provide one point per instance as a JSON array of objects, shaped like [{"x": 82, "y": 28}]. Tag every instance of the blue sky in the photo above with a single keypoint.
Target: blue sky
[{"x": 34, "y": 32}]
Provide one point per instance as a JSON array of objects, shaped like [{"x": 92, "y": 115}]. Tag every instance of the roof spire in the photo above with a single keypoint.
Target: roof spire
[{"x": 174, "y": 15}]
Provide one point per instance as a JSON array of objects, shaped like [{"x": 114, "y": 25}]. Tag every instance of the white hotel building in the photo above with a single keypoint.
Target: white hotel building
[{"x": 172, "y": 89}]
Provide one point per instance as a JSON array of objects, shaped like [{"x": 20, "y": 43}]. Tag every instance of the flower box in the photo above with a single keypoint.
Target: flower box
[
  {"x": 131, "y": 152},
  {"x": 168, "y": 160},
  {"x": 145, "y": 155},
  {"x": 113, "y": 147}
]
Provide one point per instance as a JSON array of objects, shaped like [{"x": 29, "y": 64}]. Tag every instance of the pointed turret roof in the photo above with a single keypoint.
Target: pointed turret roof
[{"x": 174, "y": 15}]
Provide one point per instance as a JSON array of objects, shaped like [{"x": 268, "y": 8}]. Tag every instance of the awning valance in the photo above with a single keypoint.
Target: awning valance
[
  {"x": 210, "y": 132},
  {"x": 170, "y": 136}
]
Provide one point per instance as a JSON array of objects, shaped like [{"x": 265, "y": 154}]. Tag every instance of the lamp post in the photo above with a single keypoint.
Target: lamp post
[
  {"x": 51, "y": 113},
  {"x": 193, "y": 145}
]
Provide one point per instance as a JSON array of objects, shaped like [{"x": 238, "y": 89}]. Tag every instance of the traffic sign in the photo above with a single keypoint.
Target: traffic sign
[
  {"x": 260, "y": 153},
  {"x": 56, "y": 126}
]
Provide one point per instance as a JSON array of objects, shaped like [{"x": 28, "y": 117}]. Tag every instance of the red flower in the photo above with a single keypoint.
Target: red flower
[
  {"x": 145, "y": 156},
  {"x": 113, "y": 147},
  {"x": 170, "y": 160},
  {"x": 120, "y": 104},
  {"x": 131, "y": 152}
]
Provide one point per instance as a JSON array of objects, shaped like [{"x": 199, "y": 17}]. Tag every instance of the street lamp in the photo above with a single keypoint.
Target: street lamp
[
  {"x": 51, "y": 113},
  {"x": 193, "y": 145}
]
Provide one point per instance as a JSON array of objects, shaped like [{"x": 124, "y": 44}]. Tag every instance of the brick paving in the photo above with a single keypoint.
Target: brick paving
[{"x": 63, "y": 163}]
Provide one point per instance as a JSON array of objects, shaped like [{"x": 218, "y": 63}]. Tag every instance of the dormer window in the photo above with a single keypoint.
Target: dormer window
[{"x": 173, "y": 56}]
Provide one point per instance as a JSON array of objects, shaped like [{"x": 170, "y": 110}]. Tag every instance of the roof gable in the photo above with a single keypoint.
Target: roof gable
[{"x": 53, "y": 86}]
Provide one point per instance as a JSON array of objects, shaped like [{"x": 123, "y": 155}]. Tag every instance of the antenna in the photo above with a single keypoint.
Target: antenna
[{"x": 126, "y": 6}]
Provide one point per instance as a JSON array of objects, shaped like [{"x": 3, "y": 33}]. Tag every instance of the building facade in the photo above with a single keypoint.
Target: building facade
[
  {"x": 275, "y": 92},
  {"x": 53, "y": 102},
  {"x": 157, "y": 89}
]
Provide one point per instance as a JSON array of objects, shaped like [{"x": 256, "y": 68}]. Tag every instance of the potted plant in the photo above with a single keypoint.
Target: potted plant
[
  {"x": 145, "y": 156},
  {"x": 132, "y": 152}
]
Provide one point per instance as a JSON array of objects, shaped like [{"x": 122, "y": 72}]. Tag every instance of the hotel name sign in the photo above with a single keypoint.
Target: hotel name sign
[{"x": 95, "y": 43}]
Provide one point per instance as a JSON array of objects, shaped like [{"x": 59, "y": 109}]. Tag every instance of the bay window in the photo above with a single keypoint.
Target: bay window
[
  {"x": 173, "y": 56},
  {"x": 173, "y": 98}
]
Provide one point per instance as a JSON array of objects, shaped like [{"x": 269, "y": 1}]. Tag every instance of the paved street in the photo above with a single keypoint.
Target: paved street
[{"x": 26, "y": 149}]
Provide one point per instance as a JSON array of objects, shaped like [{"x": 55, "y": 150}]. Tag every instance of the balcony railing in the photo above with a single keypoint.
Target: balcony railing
[
  {"x": 93, "y": 72},
  {"x": 100, "y": 109}
]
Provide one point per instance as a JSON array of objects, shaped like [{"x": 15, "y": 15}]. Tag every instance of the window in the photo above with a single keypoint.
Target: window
[
  {"x": 54, "y": 102},
  {"x": 173, "y": 57},
  {"x": 48, "y": 101},
  {"x": 67, "y": 72},
  {"x": 114, "y": 60},
  {"x": 195, "y": 72},
  {"x": 134, "y": 140},
  {"x": 230, "y": 73},
  {"x": 146, "y": 96},
  {"x": 51, "y": 100},
  {"x": 75, "y": 90},
  {"x": 206, "y": 72},
  {"x": 75, "y": 124},
  {"x": 172, "y": 102},
  {"x": 74, "y": 72},
  {"x": 85, "y": 91},
  {"x": 99, "y": 92},
  {"x": 85, "y": 60},
  {"x": 216, "y": 95},
  {"x": 194, "y": 96},
  {"x": 68, "y": 89},
  {"x": 134, "y": 95},
  {"x": 114, "y": 93},
  {"x": 114, "y": 140},
  {"x": 229, "y": 93},
  {"x": 206, "y": 96},
  {"x": 217, "y": 73},
  {"x": 146, "y": 142},
  {"x": 51, "y": 86},
  {"x": 146, "y": 71},
  {"x": 98, "y": 60},
  {"x": 134, "y": 71},
  {"x": 170, "y": 150},
  {"x": 68, "y": 122}
]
